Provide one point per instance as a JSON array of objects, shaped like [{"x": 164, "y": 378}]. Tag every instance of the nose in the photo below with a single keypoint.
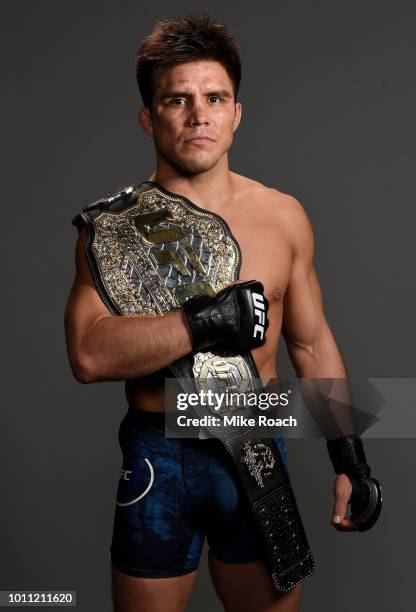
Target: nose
[{"x": 199, "y": 115}]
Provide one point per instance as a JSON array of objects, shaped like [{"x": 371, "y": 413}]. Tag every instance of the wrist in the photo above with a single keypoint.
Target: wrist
[{"x": 348, "y": 457}]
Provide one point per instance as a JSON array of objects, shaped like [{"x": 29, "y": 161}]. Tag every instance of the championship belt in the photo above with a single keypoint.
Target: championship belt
[{"x": 150, "y": 250}]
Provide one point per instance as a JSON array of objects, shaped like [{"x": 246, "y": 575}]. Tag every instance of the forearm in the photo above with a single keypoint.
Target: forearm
[
  {"x": 123, "y": 347},
  {"x": 324, "y": 383},
  {"x": 317, "y": 358}
]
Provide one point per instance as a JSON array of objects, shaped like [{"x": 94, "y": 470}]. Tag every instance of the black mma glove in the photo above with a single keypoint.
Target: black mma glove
[
  {"x": 235, "y": 319},
  {"x": 348, "y": 457}
]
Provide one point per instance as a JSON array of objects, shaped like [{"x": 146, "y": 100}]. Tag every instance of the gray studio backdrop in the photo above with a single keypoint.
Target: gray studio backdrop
[{"x": 329, "y": 97}]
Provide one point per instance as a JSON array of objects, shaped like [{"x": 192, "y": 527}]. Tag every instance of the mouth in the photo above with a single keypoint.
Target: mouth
[{"x": 199, "y": 140}]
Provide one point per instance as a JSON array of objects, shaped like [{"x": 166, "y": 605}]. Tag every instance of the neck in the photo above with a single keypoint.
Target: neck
[{"x": 210, "y": 190}]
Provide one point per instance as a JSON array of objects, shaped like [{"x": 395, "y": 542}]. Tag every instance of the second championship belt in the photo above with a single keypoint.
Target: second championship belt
[{"x": 149, "y": 250}]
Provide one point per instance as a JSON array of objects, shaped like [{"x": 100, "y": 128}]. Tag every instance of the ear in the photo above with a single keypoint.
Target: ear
[
  {"x": 145, "y": 120},
  {"x": 237, "y": 117}
]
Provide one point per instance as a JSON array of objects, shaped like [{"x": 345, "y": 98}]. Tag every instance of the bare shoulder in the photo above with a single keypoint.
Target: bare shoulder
[
  {"x": 289, "y": 210},
  {"x": 283, "y": 213},
  {"x": 292, "y": 217},
  {"x": 282, "y": 206}
]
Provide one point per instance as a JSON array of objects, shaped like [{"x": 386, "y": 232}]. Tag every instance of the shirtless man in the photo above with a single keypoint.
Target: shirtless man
[{"x": 191, "y": 113}]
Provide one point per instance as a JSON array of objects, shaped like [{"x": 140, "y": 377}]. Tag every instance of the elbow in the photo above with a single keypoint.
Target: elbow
[
  {"x": 83, "y": 369},
  {"x": 303, "y": 355},
  {"x": 301, "y": 348},
  {"x": 82, "y": 360}
]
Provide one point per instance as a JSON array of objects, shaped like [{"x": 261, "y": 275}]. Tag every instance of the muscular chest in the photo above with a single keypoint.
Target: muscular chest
[{"x": 266, "y": 254}]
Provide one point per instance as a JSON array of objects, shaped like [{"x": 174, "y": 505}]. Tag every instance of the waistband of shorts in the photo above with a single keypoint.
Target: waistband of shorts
[{"x": 145, "y": 417}]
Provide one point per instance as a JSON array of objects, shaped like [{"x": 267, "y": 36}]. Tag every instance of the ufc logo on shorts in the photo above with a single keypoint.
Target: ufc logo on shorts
[
  {"x": 259, "y": 313},
  {"x": 125, "y": 474}
]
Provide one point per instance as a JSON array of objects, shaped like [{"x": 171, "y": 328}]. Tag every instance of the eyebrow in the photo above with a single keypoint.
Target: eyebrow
[{"x": 222, "y": 93}]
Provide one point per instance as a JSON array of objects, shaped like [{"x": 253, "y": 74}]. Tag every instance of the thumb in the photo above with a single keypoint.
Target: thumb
[
  {"x": 340, "y": 509},
  {"x": 342, "y": 492}
]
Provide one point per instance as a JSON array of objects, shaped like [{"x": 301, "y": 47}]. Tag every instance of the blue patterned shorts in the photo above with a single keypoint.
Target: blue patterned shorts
[{"x": 172, "y": 494}]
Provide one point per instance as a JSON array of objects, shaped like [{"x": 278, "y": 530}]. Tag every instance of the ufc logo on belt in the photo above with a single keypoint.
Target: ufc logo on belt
[{"x": 260, "y": 315}]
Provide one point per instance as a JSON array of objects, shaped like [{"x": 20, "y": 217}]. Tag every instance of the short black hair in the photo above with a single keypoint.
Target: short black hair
[{"x": 179, "y": 40}]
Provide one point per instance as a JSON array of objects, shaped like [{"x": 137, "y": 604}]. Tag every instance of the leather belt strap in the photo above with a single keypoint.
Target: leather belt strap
[{"x": 267, "y": 488}]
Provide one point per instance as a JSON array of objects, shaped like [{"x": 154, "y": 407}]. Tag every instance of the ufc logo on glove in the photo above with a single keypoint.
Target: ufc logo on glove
[{"x": 259, "y": 313}]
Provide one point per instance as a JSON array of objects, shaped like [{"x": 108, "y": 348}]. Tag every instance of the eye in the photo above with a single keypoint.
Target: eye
[
  {"x": 177, "y": 101},
  {"x": 214, "y": 99}
]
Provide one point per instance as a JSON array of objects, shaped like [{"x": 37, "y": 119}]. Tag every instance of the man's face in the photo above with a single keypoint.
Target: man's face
[{"x": 194, "y": 115}]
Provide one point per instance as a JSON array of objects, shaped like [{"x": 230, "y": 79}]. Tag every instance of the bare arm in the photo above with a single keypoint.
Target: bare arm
[
  {"x": 315, "y": 354},
  {"x": 310, "y": 342},
  {"x": 102, "y": 346}
]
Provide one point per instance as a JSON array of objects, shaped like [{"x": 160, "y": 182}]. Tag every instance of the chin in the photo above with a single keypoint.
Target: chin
[
  {"x": 195, "y": 162},
  {"x": 195, "y": 165}
]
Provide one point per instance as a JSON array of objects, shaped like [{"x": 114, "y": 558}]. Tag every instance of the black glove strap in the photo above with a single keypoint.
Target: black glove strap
[{"x": 348, "y": 456}]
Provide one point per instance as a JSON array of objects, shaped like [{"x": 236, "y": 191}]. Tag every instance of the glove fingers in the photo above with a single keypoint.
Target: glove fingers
[
  {"x": 228, "y": 307},
  {"x": 236, "y": 318}
]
